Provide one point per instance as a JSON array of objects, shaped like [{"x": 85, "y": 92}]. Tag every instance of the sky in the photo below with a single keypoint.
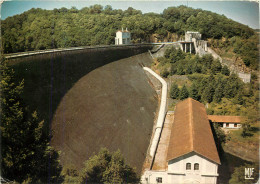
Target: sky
[{"x": 245, "y": 12}]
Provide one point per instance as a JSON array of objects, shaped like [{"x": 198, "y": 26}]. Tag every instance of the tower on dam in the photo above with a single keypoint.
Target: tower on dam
[
  {"x": 190, "y": 34},
  {"x": 123, "y": 37},
  {"x": 193, "y": 43}
]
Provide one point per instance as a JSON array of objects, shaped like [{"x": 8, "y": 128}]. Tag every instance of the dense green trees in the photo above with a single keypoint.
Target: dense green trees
[
  {"x": 210, "y": 82},
  {"x": 103, "y": 167},
  {"x": 25, "y": 151},
  {"x": 94, "y": 25},
  {"x": 214, "y": 88},
  {"x": 225, "y": 71},
  {"x": 184, "y": 64},
  {"x": 106, "y": 167}
]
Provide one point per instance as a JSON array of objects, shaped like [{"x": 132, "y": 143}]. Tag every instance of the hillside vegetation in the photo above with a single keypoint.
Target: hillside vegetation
[
  {"x": 209, "y": 83},
  {"x": 95, "y": 25},
  {"x": 206, "y": 80},
  {"x": 237, "y": 49}
]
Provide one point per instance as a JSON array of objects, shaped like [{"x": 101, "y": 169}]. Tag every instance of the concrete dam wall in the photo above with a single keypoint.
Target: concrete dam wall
[
  {"x": 49, "y": 76},
  {"x": 92, "y": 99},
  {"x": 113, "y": 106}
]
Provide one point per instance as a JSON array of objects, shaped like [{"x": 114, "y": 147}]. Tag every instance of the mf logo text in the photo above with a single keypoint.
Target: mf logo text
[{"x": 249, "y": 173}]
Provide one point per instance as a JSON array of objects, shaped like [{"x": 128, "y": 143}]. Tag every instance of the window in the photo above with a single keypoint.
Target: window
[
  {"x": 159, "y": 180},
  {"x": 188, "y": 166},
  {"x": 235, "y": 125},
  {"x": 227, "y": 124},
  {"x": 196, "y": 166},
  {"x": 123, "y": 41}
]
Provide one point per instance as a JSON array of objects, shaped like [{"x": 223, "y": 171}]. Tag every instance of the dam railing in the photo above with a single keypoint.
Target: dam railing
[{"x": 30, "y": 53}]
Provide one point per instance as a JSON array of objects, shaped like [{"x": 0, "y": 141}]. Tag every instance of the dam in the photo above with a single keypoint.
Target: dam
[{"x": 92, "y": 98}]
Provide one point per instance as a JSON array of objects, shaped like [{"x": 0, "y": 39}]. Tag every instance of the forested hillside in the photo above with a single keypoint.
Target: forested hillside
[{"x": 94, "y": 25}]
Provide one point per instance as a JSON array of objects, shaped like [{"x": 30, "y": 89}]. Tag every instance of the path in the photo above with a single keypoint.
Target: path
[
  {"x": 161, "y": 114},
  {"x": 160, "y": 162}
]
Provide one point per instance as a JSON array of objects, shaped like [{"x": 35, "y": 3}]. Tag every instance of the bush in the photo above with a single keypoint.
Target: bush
[
  {"x": 164, "y": 73},
  {"x": 225, "y": 71}
]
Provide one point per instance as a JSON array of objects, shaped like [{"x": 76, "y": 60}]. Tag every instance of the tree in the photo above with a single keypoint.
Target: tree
[
  {"x": 219, "y": 135},
  {"x": 189, "y": 70},
  {"x": 25, "y": 147},
  {"x": 207, "y": 60},
  {"x": 173, "y": 69},
  {"x": 12, "y": 117},
  {"x": 106, "y": 167},
  {"x": 194, "y": 92},
  {"x": 70, "y": 174},
  {"x": 251, "y": 118},
  {"x": 108, "y": 9},
  {"x": 208, "y": 93},
  {"x": 174, "y": 91},
  {"x": 216, "y": 66},
  {"x": 164, "y": 73},
  {"x": 238, "y": 99},
  {"x": 218, "y": 94},
  {"x": 225, "y": 71},
  {"x": 180, "y": 70},
  {"x": 184, "y": 93}
]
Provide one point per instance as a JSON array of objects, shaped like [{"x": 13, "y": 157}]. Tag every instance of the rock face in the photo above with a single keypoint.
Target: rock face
[{"x": 113, "y": 106}]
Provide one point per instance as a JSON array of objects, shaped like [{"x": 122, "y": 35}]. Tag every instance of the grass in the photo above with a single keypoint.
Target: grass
[
  {"x": 228, "y": 54},
  {"x": 171, "y": 106},
  {"x": 253, "y": 137}
]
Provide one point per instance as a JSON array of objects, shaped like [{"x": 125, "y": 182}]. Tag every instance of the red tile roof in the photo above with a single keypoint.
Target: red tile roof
[
  {"x": 225, "y": 119},
  {"x": 191, "y": 132}
]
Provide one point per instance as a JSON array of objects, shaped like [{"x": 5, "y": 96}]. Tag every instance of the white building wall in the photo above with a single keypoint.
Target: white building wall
[
  {"x": 207, "y": 169},
  {"x": 150, "y": 177},
  {"x": 232, "y": 125},
  {"x": 122, "y": 38},
  {"x": 177, "y": 173}
]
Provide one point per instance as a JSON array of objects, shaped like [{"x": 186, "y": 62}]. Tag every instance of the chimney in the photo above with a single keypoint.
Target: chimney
[
  {"x": 122, "y": 29},
  {"x": 126, "y": 29}
]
